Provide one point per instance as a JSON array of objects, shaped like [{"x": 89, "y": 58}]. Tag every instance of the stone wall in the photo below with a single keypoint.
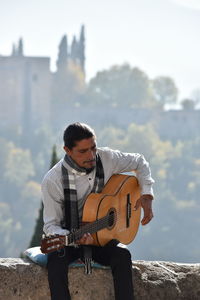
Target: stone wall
[{"x": 21, "y": 279}]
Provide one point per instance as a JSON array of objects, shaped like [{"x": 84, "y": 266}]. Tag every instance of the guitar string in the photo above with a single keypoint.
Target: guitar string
[
  {"x": 92, "y": 228},
  {"x": 89, "y": 228}
]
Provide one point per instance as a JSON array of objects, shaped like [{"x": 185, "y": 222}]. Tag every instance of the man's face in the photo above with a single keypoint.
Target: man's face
[{"x": 84, "y": 153}]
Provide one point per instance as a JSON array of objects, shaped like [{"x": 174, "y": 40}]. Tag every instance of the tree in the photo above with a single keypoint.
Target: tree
[
  {"x": 165, "y": 90},
  {"x": 82, "y": 48},
  {"x": 62, "y": 54},
  {"x": 19, "y": 167},
  {"x": 141, "y": 139},
  {"x": 38, "y": 231},
  {"x": 20, "y": 48},
  {"x": 13, "y": 50},
  {"x": 68, "y": 87},
  {"x": 6, "y": 227},
  {"x": 5, "y": 149},
  {"x": 120, "y": 86},
  {"x": 74, "y": 50},
  {"x": 188, "y": 104}
]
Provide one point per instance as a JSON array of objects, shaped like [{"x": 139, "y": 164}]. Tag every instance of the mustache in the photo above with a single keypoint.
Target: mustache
[{"x": 91, "y": 160}]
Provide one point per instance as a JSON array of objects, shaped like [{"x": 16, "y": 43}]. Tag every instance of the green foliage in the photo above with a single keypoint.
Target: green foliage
[
  {"x": 38, "y": 231},
  {"x": 5, "y": 148},
  {"x": 175, "y": 161},
  {"x": 176, "y": 170},
  {"x": 54, "y": 158},
  {"x": 9, "y": 228},
  {"x": 20, "y": 48},
  {"x": 165, "y": 90},
  {"x": 81, "y": 50},
  {"x": 16, "y": 170},
  {"x": 19, "y": 167},
  {"x": 63, "y": 53},
  {"x": 188, "y": 104},
  {"x": 68, "y": 87},
  {"x": 120, "y": 86}
]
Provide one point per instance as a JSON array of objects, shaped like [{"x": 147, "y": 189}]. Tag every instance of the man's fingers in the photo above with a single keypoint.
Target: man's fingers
[
  {"x": 137, "y": 204},
  {"x": 146, "y": 204},
  {"x": 86, "y": 239},
  {"x": 89, "y": 239},
  {"x": 148, "y": 215}
]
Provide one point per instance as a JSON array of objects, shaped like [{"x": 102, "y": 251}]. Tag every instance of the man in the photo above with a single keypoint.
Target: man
[{"x": 85, "y": 169}]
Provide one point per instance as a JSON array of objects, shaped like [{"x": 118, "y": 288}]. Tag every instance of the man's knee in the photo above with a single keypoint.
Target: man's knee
[{"x": 121, "y": 255}]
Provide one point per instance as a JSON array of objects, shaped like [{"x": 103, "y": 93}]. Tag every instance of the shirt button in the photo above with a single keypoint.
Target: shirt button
[{"x": 90, "y": 178}]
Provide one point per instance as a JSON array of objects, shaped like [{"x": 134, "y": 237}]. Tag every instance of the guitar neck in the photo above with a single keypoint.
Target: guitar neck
[{"x": 91, "y": 228}]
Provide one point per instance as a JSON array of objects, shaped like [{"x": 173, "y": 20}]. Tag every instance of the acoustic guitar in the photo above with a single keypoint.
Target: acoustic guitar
[{"x": 107, "y": 215}]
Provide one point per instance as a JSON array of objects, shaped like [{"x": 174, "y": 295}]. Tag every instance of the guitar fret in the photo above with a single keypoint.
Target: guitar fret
[{"x": 94, "y": 227}]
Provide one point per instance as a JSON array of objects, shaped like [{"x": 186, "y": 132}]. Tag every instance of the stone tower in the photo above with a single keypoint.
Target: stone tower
[{"x": 25, "y": 87}]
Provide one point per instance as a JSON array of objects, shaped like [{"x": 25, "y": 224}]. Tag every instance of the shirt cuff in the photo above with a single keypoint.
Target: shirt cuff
[
  {"x": 57, "y": 230},
  {"x": 147, "y": 190}
]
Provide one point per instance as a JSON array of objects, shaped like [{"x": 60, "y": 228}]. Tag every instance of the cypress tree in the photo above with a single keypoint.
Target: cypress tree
[
  {"x": 38, "y": 231},
  {"x": 62, "y": 54},
  {"x": 54, "y": 157},
  {"x": 13, "y": 50},
  {"x": 82, "y": 48},
  {"x": 74, "y": 50},
  {"x": 20, "y": 48}
]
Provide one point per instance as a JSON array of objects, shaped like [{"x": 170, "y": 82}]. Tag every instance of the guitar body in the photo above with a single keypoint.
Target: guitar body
[
  {"x": 107, "y": 215},
  {"x": 118, "y": 197}
]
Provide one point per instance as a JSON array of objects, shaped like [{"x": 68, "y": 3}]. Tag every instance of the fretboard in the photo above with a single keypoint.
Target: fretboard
[{"x": 91, "y": 228}]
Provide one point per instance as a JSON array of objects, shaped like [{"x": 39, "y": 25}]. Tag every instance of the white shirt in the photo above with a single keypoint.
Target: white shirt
[{"x": 113, "y": 161}]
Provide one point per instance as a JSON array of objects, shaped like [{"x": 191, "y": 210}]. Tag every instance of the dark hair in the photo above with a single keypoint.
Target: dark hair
[{"x": 76, "y": 132}]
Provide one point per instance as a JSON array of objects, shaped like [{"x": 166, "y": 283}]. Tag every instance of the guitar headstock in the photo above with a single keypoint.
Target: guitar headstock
[{"x": 52, "y": 243}]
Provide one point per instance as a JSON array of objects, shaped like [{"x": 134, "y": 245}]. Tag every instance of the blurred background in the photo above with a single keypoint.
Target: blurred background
[{"x": 131, "y": 70}]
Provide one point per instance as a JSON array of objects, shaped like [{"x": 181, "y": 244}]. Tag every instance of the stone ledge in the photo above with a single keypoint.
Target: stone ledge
[{"x": 23, "y": 280}]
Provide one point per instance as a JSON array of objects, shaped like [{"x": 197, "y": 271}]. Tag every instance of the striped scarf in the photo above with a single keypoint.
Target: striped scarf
[{"x": 71, "y": 208}]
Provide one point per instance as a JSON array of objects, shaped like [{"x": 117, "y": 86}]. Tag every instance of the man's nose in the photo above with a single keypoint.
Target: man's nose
[{"x": 91, "y": 155}]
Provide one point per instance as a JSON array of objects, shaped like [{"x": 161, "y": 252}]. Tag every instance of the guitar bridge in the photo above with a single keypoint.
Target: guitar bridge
[{"x": 128, "y": 211}]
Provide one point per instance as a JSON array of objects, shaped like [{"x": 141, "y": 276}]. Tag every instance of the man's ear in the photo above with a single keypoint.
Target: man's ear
[{"x": 67, "y": 150}]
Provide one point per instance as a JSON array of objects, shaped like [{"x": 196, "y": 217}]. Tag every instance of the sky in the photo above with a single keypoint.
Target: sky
[{"x": 161, "y": 37}]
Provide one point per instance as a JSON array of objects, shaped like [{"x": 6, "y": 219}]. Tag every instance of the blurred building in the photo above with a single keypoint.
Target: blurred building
[
  {"x": 179, "y": 124},
  {"x": 25, "y": 88},
  {"x": 27, "y": 83},
  {"x": 32, "y": 96}
]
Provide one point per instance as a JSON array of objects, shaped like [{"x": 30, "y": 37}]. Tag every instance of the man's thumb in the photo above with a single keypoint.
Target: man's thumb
[{"x": 137, "y": 205}]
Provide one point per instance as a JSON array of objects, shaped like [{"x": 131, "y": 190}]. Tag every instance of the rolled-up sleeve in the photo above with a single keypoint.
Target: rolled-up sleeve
[{"x": 127, "y": 162}]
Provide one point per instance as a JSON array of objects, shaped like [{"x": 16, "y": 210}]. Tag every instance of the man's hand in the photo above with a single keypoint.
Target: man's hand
[
  {"x": 146, "y": 202},
  {"x": 86, "y": 239}
]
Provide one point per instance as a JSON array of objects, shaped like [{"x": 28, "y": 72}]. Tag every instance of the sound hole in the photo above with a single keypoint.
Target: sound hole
[{"x": 111, "y": 218}]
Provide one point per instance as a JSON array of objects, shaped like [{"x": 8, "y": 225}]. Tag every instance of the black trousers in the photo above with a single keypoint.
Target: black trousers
[{"x": 119, "y": 259}]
